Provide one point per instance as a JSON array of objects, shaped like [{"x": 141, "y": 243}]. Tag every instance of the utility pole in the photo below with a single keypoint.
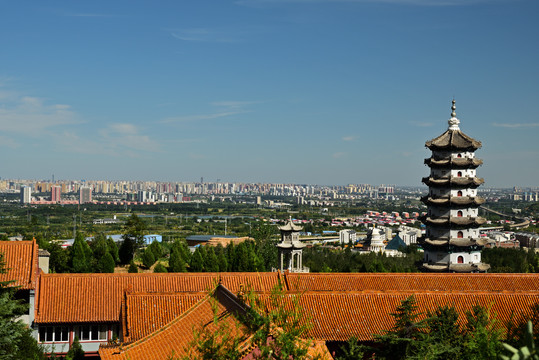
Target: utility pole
[{"x": 74, "y": 225}]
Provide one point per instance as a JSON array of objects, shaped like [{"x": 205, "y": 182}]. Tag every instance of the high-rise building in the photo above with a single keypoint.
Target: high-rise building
[
  {"x": 26, "y": 194},
  {"x": 56, "y": 194},
  {"x": 452, "y": 241},
  {"x": 85, "y": 195}
]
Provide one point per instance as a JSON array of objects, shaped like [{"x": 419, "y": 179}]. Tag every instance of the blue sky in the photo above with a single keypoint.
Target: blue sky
[{"x": 294, "y": 91}]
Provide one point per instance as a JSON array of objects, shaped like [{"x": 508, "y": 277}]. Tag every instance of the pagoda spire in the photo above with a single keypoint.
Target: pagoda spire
[{"x": 453, "y": 122}]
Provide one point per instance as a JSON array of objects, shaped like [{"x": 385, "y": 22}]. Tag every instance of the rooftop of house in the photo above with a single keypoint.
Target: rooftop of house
[{"x": 21, "y": 263}]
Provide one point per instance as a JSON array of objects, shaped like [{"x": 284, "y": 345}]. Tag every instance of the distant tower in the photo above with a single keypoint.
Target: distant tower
[
  {"x": 56, "y": 194},
  {"x": 452, "y": 241},
  {"x": 376, "y": 240},
  {"x": 85, "y": 195},
  {"x": 26, "y": 194},
  {"x": 290, "y": 248}
]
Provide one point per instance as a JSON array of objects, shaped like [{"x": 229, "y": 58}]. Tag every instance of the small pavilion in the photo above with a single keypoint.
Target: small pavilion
[{"x": 291, "y": 248}]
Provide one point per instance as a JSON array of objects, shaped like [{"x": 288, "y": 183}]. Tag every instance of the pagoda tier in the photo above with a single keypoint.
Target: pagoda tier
[
  {"x": 453, "y": 140},
  {"x": 452, "y": 242},
  {"x": 464, "y": 268},
  {"x": 465, "y": 163},
  {"x": 455, "y": 221},
  {"x": 460, "y": 242},
  {"x": 464, "y": 201},
  {"x": 452, "y": 181}
]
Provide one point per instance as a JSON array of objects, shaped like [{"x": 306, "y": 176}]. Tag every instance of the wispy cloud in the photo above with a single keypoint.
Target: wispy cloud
[
  {"x": 206, "y": 35},
  {"x": 128, "y": 136},
  {"x": 398, "y": 2},
  {"x": 349, "y": 138},
  {"x": 32, "y": 116},
  {"x": 421, "y": 124},
  {"x": 516, "y": 125},
  {"x": 338, "y": 155},
  {"x": 226, "y": 109}
]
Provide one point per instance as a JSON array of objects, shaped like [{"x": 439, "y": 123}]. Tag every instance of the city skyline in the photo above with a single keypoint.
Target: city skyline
[{"x": 266, "y": 91}]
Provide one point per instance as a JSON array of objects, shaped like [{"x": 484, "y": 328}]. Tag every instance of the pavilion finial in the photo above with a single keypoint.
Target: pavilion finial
[{"x": 453, "y": 122}]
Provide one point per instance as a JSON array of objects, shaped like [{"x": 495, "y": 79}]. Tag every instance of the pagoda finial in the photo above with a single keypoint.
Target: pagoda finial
[{"x": 453, "y": 122}]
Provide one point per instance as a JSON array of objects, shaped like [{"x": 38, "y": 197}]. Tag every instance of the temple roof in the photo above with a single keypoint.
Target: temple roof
[
  {"x": 453, "y": 200},
  {"x": 453, "y": 138},
  {"x": 457, "y": 242},
  {"x": 21, "y": 263},
  {"x": 456, "y": 220},
  {"x": 396, "y": 243},
  {"x": 453, "y": 181},
  {"x": 290, "y": 226},
  {"x": 454, "y": 162}
]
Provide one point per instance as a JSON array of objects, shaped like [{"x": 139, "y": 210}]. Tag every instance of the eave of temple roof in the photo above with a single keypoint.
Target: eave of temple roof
[
  {"x": 21, "y": 263},
  {"x": 453, "y": 139},
  {"x": 453, "y": 162},
  {"x": 458, "y": 268},
  {"x": 462, "y": 242},
  {"x": 453, "y": 200},
  {"x": 453, "y": 181},
  {"x": 455, "y": 220},
  {"x": 290, "y": 226}
]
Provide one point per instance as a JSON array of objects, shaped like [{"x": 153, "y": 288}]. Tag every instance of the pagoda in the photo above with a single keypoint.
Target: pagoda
[
  {"x": 452, "y": 242},
  {"x": 291, "y": 248}
]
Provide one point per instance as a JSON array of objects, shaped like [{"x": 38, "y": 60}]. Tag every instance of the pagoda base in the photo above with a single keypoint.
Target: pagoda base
[{"x": 460, "y": 268}]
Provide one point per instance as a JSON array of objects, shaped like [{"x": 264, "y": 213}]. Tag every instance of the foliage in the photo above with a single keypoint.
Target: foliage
[
  {"x": 280, "y": 325},
  {"x": 353, "y": 350},
  {"x": 106, "y": 263},
  {"x": 75, "y": 351},
  {"x": 157, "y": 249},
  {"x": 148, "y": 258},
  {"x": 81, "y": 255},
  {"x": 221, "y": 343},
  {"x": 126, "y": 250},
  {"x": 323, "y": 259},
  {"x": 133, "y": 238},
  {"x": 133, "y": 268},
  {"x": 511, "y": 260},
  {"x": 160, "y": 268},
  {"x": 179, "y": 256},
  {"x": 16, "y": 341},
  {"x": 439, "y": 336},
  {"x": 528, "y": 351}
]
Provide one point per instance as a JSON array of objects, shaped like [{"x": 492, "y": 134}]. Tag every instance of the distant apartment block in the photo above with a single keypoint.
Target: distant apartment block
[
  {"x": 85, "y": 195},
  {"x": 26, "y": 194},
  {"x": 56, "y": 194}
]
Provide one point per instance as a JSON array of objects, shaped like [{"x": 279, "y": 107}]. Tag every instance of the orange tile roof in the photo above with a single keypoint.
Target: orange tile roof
[
  {"x": 148, "y": 312},
  {"x": 338, "y": 316},
  {"x": 21, "y": 258},
  {"x": 72, "y": 298},
  {"x": 175, "y": 337},
  {"x": 412, "y": 282}
]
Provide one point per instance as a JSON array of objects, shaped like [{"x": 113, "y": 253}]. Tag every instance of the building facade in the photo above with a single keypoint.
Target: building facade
[
  {"x": 26, "y": 194},
  {"x": 85, "y": 195},
  {"x": 452, "y": 241}
]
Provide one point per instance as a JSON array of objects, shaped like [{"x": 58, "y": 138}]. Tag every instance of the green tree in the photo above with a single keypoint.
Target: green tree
[
  {"x": 197, "y": 260},
  {"x": 157, "y": 250},
  {"x": 126, "y": 250},
  {"x": 482, "y": 338},
  {"x": 133, "y": 238},
  {"x": 59, "y": 260},
  {"x": 75, "y": 351},
  {"x": 211, "y": 262},
  {"x": 133, "y": 268},
  {"x": 16, "y": 341},
  {"x": 179, "y": 256},
  {"x": 106, "y": 263},
  {"x": 148, "y": 258},
  {"x": 397, "y": 342},
  {"x": 81, "y": 255},
  {"x": 160, "y": 268},
  {"x": 113, "y": 249}
]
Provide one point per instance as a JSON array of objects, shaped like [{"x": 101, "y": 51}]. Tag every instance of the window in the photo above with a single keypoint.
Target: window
[
  {"x": 460, "y": 235},
  {"x": 93, "y": 332},
  {"x": 459, "y": 193},
  {"x": 459, "y": 155},
  {"x": 459, "y": 213},
  {"x": 459, "y": 174},
  {"x": 53, "y": 333},
  {"x": 460, "y": 259}
]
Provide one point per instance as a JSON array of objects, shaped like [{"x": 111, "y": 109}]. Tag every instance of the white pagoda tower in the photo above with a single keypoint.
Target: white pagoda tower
[
  {"x": 452, "y": 242},
  {"x": 291, "y": 248}
]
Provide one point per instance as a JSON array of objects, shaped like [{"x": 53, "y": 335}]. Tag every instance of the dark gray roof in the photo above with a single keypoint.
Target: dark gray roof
[{"x": 395, "y": 243}]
